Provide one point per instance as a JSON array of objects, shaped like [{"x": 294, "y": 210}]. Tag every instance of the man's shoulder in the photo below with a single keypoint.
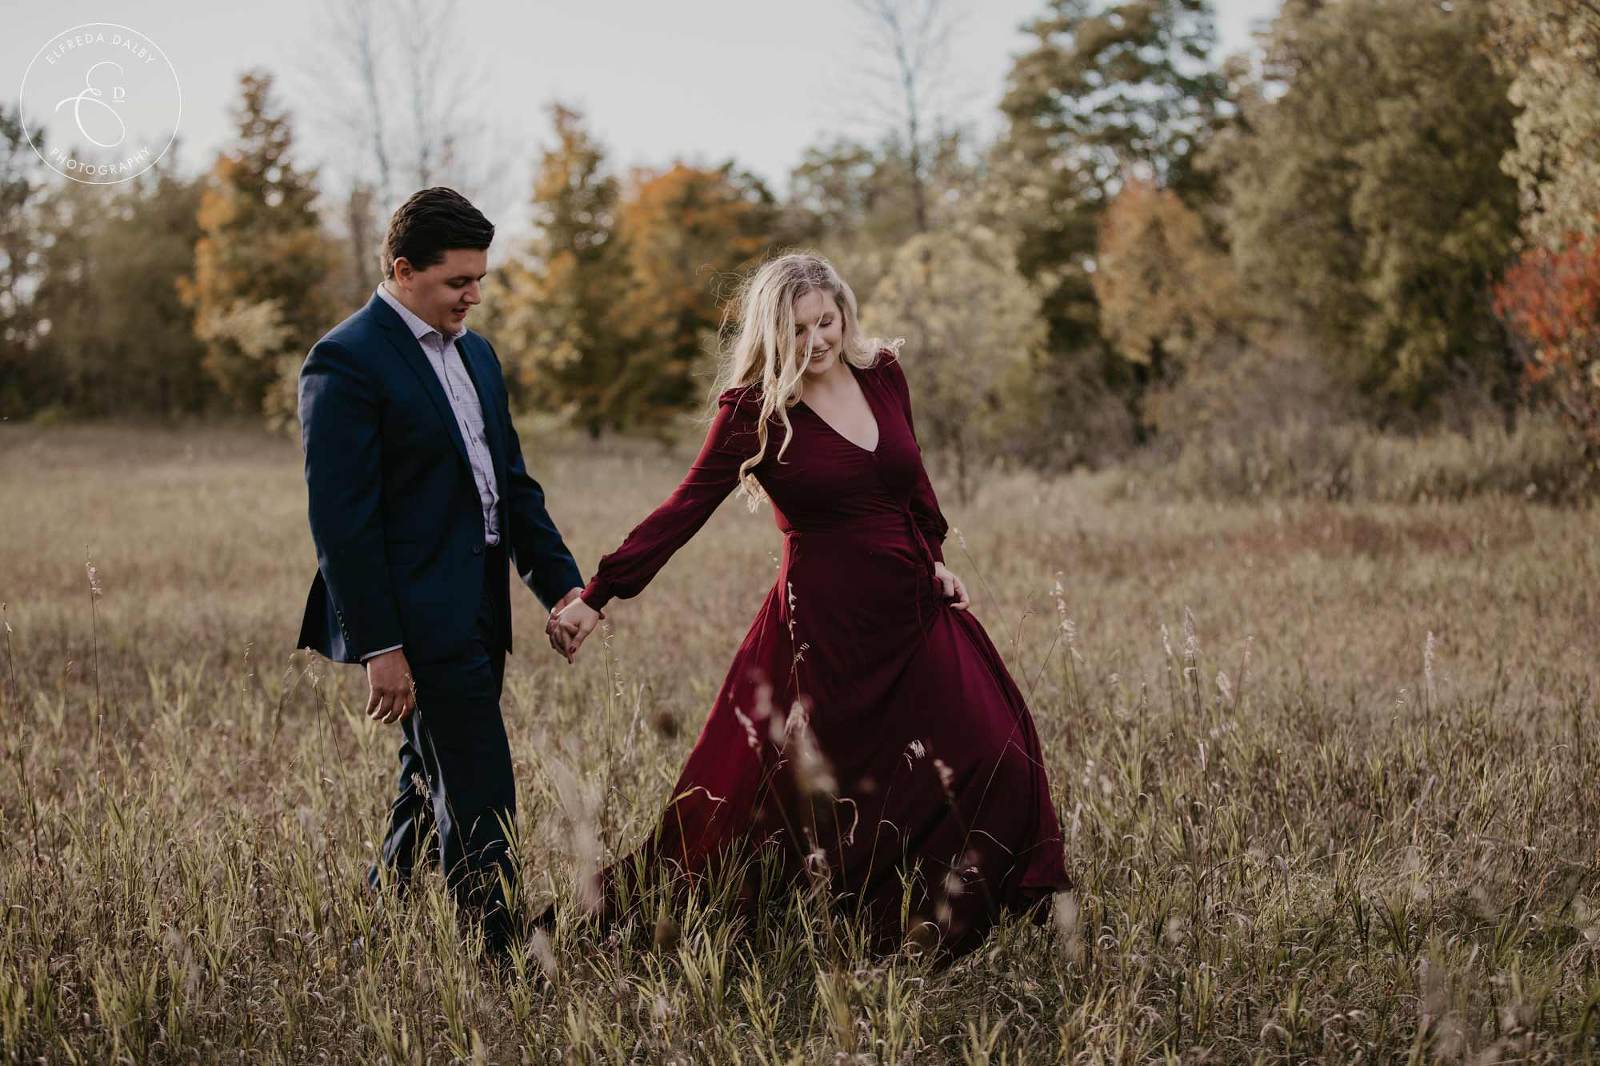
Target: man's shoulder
[
  {"x": 357, "y": 328},
  {"x": 473, "y": 338},
  {"x": 352, "y": 340}
]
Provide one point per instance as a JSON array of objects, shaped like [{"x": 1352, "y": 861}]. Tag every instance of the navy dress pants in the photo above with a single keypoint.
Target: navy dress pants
[{"x": 456, "y": 799}]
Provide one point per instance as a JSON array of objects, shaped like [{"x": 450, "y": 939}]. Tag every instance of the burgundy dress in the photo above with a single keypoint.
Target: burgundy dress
[{"x": 866, "y": 728}]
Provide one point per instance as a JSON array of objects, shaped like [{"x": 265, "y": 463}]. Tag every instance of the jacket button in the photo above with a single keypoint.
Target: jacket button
[{"x": 477, "y": 549}]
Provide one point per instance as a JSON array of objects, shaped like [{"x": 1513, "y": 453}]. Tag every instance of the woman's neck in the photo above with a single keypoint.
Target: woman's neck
[{"x": 825, "y": 384}]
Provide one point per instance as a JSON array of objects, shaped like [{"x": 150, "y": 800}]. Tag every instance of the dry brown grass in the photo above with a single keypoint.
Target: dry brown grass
[{"x": 1293, "y": 841}]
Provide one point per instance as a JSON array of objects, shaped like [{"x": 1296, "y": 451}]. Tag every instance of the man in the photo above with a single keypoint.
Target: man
[{"x": 418, "y": 494}]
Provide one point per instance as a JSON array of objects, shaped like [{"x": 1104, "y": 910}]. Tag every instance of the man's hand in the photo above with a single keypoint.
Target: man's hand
[
  {"x": 392, "y": 693},
  {"x": 574, "y": 624},
  {"x": 951, "y": 586}
]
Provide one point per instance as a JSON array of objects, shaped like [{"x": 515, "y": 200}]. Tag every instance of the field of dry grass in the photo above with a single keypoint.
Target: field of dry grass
[{"x": 1328, "y": 775}]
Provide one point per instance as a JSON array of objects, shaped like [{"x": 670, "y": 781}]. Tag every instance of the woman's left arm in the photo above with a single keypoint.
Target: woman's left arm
[{"x": 924, "y": 502}]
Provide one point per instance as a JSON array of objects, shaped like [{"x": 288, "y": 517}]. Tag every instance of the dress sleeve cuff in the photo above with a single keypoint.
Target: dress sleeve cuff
[
  {"x": 935, "y": 548},
  {"x": 596, "y": 593},
  {"x": 381, "y": 651}
]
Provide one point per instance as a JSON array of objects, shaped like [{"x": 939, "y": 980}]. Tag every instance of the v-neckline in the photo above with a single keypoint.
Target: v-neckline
[{"x": 876, "y": 424}]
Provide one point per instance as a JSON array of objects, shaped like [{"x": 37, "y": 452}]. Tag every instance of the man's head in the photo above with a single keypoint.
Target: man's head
[{"x": 434, "y": 255}]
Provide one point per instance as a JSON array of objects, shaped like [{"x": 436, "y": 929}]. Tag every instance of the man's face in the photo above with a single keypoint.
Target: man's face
[{"x": 443, "y": 294}]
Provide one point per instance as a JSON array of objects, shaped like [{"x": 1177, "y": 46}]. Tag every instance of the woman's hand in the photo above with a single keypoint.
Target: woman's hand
[
  {"x": 951, "y": 586},
  {"x": 574, "y": 623}
]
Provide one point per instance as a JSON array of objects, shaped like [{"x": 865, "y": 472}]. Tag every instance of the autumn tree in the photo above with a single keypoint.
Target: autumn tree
[
  {"x": 1167, "y": 293},
  {"x": 1551, "y": 301},
  {"x": 1366, "y": 201},
  {"x": 689, "y": 231},
  {"x": 259, "y": 291},
  {"x": 1550, "y": 297},
  {"x": 560, "y": 334},
  {"x": 1101, "y": 91},
  {"x": 972, "y": 327}
]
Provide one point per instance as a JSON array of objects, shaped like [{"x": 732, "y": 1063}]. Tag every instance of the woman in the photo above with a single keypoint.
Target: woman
[{"x": 867, "y": 727}]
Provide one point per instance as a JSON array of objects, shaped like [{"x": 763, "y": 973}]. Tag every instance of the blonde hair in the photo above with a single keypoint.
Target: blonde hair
[{"x": 765, "y": 354}]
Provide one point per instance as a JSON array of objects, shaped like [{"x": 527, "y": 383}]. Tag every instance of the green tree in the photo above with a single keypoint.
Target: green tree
[
  {"x": 1099, "y": 93},
  {"x": 25, "y": 382},
  {"x": 1365, "y": 200},
  {"x": 261, "y": 290},
  {"x": 1550, "y": 51},
  {"x": 118, "y": 336},
  {"x": 972, "y": 326}
]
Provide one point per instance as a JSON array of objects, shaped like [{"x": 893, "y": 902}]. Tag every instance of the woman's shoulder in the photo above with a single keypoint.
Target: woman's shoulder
[
  {"x": 741, "y": 397},
  {"x": 886, "y": 364},
  {"x": 740, "y": 406}
]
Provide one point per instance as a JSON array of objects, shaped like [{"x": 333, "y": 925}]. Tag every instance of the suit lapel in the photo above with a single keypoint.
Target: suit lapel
[{"x": 412, "y": 355}]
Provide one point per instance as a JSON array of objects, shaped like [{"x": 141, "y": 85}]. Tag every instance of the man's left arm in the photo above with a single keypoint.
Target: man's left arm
[{"x": 537, "y": 550}]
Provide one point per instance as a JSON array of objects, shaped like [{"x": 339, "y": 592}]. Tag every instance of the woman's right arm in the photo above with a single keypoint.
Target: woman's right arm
[{"x": 731, "y": 439}]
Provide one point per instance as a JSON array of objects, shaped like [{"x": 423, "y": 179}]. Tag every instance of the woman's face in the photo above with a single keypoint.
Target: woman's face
[{"x": 819, "y": 328}]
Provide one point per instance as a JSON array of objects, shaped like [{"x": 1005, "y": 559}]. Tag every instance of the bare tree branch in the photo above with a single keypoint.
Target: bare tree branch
[{"x": 915, "y": 34}]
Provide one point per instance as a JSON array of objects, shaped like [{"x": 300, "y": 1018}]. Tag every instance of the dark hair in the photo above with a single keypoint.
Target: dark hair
[{"x": 431, "y": 223}]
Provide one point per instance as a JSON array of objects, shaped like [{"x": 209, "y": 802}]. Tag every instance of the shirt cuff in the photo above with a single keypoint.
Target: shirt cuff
[{"x": 381, "y": 651}]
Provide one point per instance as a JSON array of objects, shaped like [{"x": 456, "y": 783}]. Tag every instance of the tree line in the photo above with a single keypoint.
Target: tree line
[{"x": 1389, "y": 212}]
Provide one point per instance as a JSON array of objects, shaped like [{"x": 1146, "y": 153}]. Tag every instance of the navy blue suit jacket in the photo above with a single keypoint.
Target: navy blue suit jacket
[{"x": 395, "y": 516}]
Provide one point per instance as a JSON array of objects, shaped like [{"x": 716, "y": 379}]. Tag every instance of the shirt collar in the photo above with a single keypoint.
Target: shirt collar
[{"x": 419, "y": 328}]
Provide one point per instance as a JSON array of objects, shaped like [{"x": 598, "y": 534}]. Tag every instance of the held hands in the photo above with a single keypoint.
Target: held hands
[
  {"x": 550, "y": 629},
  {"x": 392, "y": 694},
  {"x": 571, "y": 626},
  {"x": 951, "y": 586},
  {"x": 565, "y": 630}
]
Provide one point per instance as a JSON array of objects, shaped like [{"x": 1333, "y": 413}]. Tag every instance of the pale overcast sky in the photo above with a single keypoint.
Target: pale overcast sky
[{"x": 704, "y": 80}]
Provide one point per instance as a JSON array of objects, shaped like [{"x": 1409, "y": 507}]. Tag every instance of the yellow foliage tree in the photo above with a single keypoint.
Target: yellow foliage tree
[{"x": 259, "y": 291}]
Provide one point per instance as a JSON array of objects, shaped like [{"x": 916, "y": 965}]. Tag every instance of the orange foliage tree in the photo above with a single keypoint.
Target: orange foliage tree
[
  {"x": 687, "y": 231},
  {"x": 1165, "y": 291},
  {"x": 1550, "y": 300}
]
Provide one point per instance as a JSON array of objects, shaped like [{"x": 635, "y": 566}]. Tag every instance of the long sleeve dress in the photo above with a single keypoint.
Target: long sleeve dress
[{"x": 865, "y": 728}]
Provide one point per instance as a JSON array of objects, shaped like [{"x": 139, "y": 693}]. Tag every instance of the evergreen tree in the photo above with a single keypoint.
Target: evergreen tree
[
  {"x": 261, "y": 288},
  {"x": 563, "y": 345},
  {"x": 1102, "y": 92}
]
